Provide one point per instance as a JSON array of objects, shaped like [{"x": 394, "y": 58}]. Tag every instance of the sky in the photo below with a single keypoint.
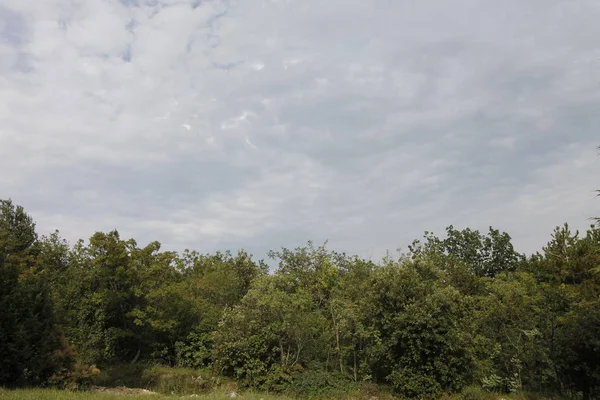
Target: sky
[{"x": 257, "y": 124}]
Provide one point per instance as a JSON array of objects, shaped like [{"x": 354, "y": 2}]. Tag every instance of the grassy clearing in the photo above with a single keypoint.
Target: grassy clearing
[
  {"x": 49, "y": 394},
  {"x": 127, "y": 381}
]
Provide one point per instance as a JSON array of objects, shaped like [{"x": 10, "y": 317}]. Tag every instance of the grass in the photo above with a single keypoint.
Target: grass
[
  {"x": 476, "y": 393},
  {"x": 165, "y": 380},
  {"x": 118, "y": 382},
  {"x": 49, "y": 394}
]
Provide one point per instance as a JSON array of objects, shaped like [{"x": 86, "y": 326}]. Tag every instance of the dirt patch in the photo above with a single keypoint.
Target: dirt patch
[{"x": 122, "y": 390}]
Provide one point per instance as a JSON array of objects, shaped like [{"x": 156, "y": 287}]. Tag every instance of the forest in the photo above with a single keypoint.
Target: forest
[{"x": 455, "y": 312}]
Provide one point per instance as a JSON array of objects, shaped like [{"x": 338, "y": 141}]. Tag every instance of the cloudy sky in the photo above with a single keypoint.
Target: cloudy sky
[{"x": 216, "y": 124}]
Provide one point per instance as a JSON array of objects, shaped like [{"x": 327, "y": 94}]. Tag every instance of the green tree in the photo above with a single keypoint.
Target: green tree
[
  {"x": 28, "y": 338},
  {"x": 509, "y": 350},
  {"x": 425, "y": 329},
  {"x": 272, "y": 331},
  {"x": 574, "y": 261},
  {"x": 486, "y": 255},
  {"x": 210, "y": 285},
  {"x": 351, "y": 316},
  {"x": 102, "y": 301}
]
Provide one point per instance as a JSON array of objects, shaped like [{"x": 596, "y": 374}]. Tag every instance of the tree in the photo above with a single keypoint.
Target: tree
[
  {"x": 28, "y": 338},
  {"x": 462, "y": 310},
  {"x": 273, "y": 330},
  {"x": 575, "y": 263},
  {"x": 102, "y": 280},
  {"x": 425, "y": 329},
  {"x": 486, "y": 255},
  {"x": 210, "y": 285},
  {"x": 508, "y": 334},
  {"x": 351, "y": 316}
]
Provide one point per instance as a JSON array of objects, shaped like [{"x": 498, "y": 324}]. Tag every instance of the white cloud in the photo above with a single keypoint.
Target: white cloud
[{"x": 260, "y": 124}]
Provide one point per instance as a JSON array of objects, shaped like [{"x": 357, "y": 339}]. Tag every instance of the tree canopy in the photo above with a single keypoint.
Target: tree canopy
[{"x": 459, "y": 310}]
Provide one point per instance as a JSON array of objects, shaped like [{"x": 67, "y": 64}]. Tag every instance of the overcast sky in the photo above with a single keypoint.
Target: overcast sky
[{"x": 258, "y": 124}]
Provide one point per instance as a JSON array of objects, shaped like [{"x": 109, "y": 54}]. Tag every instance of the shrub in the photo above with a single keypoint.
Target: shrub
[
  {"x": 411, "y": 384},
  {"x": 311, "y": 384},
  {"x": 195, "y": 352},
  {"x": 74, "y": 377}
]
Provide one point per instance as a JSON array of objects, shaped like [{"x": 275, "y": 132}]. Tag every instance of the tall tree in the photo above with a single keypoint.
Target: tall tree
[
  {"x": 425, "y": 329},
  {"x": 28, "y": 337}
]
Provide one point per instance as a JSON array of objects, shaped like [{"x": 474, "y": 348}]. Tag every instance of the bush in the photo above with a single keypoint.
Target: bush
[
  {"x": 195, "y": 352},
  {"x": 78, "y": 377},
  {"x": 413, "y": 384},
  {"x": 311, "y": 384},
  {"x": 278, "y": 379}
]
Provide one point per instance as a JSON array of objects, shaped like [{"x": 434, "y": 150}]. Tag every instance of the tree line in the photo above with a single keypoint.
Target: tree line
[{"x": 454, "y": 311}]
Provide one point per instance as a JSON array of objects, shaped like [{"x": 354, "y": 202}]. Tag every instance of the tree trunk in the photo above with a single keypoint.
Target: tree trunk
[
  {"x": 337, "y": 340},
  {"x": 355, "y": 368},
  {"x": 281, "y": 352},
  {"x": 339, "y": 348},
  {"x": 137, "y": 355}
]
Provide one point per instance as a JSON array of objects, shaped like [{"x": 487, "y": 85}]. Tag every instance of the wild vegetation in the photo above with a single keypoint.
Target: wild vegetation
[{"x": 464, "y": 315}]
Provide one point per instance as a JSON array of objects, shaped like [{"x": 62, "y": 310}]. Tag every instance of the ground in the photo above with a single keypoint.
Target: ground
[{"x": 121, "y": 393}]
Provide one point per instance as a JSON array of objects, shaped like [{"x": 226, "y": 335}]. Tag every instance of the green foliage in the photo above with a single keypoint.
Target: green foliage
[
  {"x": 414, "y": 384},
  {"x": 579, "y": 347},
  {"x": 465, "y": 317},
  {"x": 425, "y": 329},
  {"x": 508, "y": 321},
  {"x": 486, "y": 255},
  {"x": 321, "y": 384},
  {"x": 196, "y": 351},
  {"x": 28, "y": 338},
  {"x": 271, "y": 325}
]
